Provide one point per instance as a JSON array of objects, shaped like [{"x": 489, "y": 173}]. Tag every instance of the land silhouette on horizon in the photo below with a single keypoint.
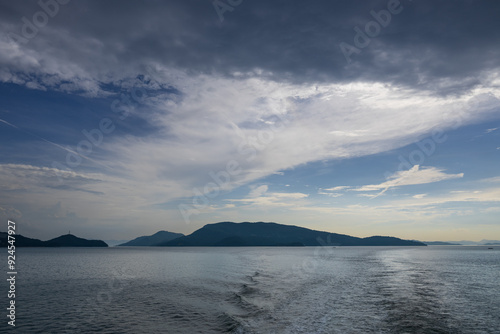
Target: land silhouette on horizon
[
  {"x": 230, "y": 234},
  {"x": 66, "y": 240},
  {"x": 153, "y": 240}
]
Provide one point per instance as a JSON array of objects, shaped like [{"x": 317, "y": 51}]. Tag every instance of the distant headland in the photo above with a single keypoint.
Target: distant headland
[
  {"x": 156, "y": 239},
  {"x": 67, "y": 240}
]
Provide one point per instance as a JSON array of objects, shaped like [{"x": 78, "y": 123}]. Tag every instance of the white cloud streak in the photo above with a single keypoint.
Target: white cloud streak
[
  {"x": 413, "y": 176},
  {"x": 263, "y": 199}
]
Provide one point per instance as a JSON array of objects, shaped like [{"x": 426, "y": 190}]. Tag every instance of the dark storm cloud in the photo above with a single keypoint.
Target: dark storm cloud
[{"x": 437, "y": 45}]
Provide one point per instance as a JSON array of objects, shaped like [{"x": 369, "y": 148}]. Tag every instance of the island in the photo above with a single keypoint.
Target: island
[
  {"x": 67, "y": 240},
  {"x": 272, "y": 234}
]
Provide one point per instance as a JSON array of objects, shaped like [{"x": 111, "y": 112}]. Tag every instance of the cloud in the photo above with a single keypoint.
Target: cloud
[
  {"x": 367, "y": 195},
  {"x": 355, "y": 133},
  {"x": 9, "y": 212},
  {"x": 238, "y": 114},
  {"x": 491, "y": 130},
  {"x": 332, "y": 192},
  {"x": 495, "y": 179},
  {"x": 329, "y": 194},
  {"x": 413, "y": 50},
  {"x": 261, "y": 198},
  {"x": 413, "y": 176},
  {"x": 419, "y": 196},
  {"x": 466, "y": 196},
  {"x": 430, "y": 209},
  {"x": 264, "y": 111},
  {"x": 25, "y": 177},
  {"x": 257, "y": 192},
  {"x": 337, "y": 188},
  {"x": 3, "y": 121},
  {"x": 90, "y": 197}
]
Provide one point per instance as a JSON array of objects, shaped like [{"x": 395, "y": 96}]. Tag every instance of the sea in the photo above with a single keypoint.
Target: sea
[{"x": 434, "y": 289}]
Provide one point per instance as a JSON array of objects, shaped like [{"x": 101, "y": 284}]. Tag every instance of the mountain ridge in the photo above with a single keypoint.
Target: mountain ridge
[
  {"x": 153, "y": 240},
  {"x": 232, "y": 234}
]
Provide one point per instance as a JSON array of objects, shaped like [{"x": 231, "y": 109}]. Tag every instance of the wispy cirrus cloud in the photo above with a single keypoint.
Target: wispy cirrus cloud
[
  {"x": 334, "y": 191},
  {"x": 263, "y": 199},
  {"x": 491, "y": 130},
  {"x": 495, "y": 179},
  {"x": 413, "y": 176},
  {"x": 490, "y": 194},
  {"x": 338, "y": 188},
  {"x": 328, "y": 193}
]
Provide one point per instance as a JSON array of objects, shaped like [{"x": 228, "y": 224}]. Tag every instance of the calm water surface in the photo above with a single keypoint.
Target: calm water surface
[{"x": 258, "y": 290}]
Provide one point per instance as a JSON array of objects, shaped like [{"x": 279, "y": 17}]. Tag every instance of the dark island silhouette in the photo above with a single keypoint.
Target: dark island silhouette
[
  {"x": 273, "y": 234},
  {"x": 156, "y": 239},
  {"x": 67, "y": 240}
]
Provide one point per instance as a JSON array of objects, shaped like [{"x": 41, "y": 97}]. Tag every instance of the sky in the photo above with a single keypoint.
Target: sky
[{"x": 122, "y": 118}]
